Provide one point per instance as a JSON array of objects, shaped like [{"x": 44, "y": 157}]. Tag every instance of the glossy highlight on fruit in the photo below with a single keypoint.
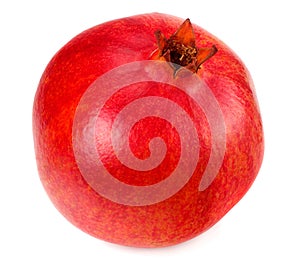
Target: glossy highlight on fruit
[{"x": 147, "y": 130}]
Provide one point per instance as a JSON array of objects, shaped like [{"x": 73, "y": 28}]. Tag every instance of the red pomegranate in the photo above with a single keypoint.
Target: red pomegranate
[{"x": 147, "y": 130}]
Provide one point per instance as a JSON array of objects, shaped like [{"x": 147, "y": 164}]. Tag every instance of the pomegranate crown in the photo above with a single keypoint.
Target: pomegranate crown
[{"x": 181, "y": 50}]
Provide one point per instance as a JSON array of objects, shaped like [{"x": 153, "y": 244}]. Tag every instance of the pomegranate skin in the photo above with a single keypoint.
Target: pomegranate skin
[{"x": 191, "y": 210}]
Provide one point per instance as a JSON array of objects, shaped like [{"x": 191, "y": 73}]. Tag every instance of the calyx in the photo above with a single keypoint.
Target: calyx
[{"x": 181, "y": 50}]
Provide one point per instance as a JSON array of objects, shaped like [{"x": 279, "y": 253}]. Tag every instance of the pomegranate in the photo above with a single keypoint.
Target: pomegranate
[{"x": 147, "y": 130}]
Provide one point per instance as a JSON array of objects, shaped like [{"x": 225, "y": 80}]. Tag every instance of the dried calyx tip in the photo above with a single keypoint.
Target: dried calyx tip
[{"x": 180, "y": 49}]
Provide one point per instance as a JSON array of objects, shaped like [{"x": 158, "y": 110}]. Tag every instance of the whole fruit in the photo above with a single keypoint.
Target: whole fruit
[{"x": 147, "y": 130}]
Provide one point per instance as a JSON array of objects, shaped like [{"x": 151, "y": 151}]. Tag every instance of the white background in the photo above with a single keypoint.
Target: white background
[{"x": 262, "y": 229}]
